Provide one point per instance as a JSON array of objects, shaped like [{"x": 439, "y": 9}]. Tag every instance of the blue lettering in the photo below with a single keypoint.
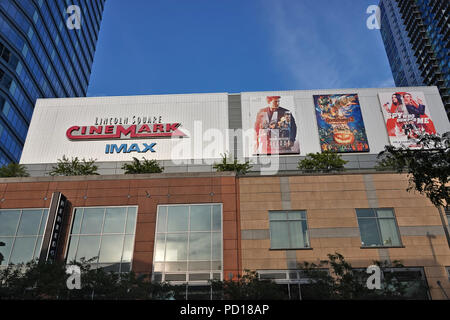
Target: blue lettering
[
  {"x": 134, "y": 148},
  {"x": 114, "y": 147},
  {"x": 149, "y": 147}
]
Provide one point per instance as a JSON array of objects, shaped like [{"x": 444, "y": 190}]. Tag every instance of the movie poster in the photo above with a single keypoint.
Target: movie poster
[
  {"x": 340, "y": 123},
  {"x": 274, "y": 123},
  {"x": 407, "y": 117}
]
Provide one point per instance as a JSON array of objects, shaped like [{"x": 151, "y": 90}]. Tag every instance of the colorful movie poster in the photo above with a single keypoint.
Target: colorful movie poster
[
  {"x": 407, "y": 117},
  {"x": 275, "y": 125},
  {"x": 340, "y": 122}
]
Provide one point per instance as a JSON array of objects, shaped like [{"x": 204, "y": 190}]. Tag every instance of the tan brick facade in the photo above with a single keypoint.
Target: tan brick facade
[{"x": 330, "y": 202}]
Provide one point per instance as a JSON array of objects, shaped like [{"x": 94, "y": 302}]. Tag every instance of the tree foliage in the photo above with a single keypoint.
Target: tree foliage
[
  {"x": 47, "y": 281},
  {"x": 74, "y": 167},
  {"x": 249, "y": 287},
  {"x": 326, "y": 161},
  {"x": 428, "y": 168},
  {"x": 229, "y": 164},
  {"x": 145, "y": 166},
  {"x": 13, "y": 170},
  {"x": 336, "y": 279}
]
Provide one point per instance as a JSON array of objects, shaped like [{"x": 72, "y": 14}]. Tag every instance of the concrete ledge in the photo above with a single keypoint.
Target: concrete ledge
[
  {"x": 334, "y": 233},
  {"x": 120, "y": 177},
  {"x": 422, "y": 231},
  {"x": 262, "y": 234}
]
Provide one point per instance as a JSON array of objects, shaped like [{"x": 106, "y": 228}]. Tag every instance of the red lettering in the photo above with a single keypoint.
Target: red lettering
[
  {"x": 172, "y": 127},
  {"x": 158, "y": 127},
  {"x": 121, "y": 130},
  {"x": 109, "y": 129},
  {"x": 144, "y": 128},
  {"x": 70, "y": 130},
  {"x": 98, "y": 130}
]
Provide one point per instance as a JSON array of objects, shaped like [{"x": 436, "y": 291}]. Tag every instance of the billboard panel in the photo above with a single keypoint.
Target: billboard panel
[
  {"x": 273, "y": 120},
  {"x": 407, "y": 117},
  {"x": 161, "y": 127},
  {"x": 340, "y": 123}
]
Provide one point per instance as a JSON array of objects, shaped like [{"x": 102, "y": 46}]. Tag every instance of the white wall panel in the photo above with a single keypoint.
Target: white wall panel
[{"x": 46, "y": 141}]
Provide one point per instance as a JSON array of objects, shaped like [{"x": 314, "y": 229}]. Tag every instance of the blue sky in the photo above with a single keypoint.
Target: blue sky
[{"x": 199, "y": 46}]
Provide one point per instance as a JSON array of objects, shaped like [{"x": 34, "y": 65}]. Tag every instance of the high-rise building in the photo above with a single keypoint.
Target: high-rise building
[
  {"x": 43, "y": 54},
  {"x": 416, "y": 35}
]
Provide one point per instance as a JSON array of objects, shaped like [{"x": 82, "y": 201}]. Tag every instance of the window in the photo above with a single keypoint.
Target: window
[
  {"x": 294, "y": 284},
  {"x": 21, "y": 232},
  {"x": 378, "y": 228},
  {"x": 105, "y": 235},
  {"x": 288, "y": 230},
  {"x": 412, "y": 279},
  {"x": 188, "y": 244}
]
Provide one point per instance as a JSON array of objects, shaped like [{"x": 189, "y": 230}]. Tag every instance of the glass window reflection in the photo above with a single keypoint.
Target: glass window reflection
[
  {"x": 106, "y": 233},
  {"x": 188, "y": 241},
  {"x": 21, "y": 231},
  {"x": 9, "y": 220},
  {"x": 115, "y": 219}
]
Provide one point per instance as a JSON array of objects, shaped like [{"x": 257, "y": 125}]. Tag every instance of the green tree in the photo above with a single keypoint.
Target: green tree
[
  {"x": 228, "y": 164},
  {"x": 74, "y": 167},
  {"x": 326, "y": 161},
  {"x": 48, "y": 281},
  {"x": 146, "y": 166},
  {"x": 249, "y": 287},
  {"x": 336, "y": 279},
  {"x": 33, "y": 281},
  {"x": 428, "y": 168},
  {"x": 13, "y": 170}
]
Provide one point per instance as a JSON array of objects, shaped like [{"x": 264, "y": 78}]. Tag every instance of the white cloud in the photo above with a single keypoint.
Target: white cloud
[{"x": 299, "y": 47}]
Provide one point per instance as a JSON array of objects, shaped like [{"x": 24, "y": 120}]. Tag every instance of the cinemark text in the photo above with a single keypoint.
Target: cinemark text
[{"x": 157, "y": 130}]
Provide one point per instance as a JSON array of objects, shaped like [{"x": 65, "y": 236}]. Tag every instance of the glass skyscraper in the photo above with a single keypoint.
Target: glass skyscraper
[
  {"x": 416, "y": 35},
  {"x": 43, "y": 54}
]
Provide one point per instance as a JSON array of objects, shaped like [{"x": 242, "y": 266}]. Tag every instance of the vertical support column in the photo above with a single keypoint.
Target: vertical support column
[
  {"x": 372, "y": 198},
  {"x": 54, "y": 227}
]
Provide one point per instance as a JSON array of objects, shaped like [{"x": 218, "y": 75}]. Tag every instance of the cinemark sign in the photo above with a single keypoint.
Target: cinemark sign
[{"x": 144, "y": 131}]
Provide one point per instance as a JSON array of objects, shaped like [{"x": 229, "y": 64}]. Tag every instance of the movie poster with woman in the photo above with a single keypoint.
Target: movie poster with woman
[{"x": 407, "y": 117}]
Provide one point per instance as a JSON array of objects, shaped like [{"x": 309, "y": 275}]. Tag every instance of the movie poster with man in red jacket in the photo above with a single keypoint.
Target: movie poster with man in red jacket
[
  {"x": 275, "y": 126},
  {"x": 407, "y": 117}
]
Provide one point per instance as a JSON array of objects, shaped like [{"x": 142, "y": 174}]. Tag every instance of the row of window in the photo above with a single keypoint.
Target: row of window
[
  {"x": 296, "y": 285},
  {"x": 289, "y": 229},
  {"x": 14, "y": 119},
  {"x": 20, "y": 44},
  {"x": 9, "y": 142},
  {"x": 28, "y": 29},
  {"x": 188, "y": 243},
  {"x": 33, "y": 13}
]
